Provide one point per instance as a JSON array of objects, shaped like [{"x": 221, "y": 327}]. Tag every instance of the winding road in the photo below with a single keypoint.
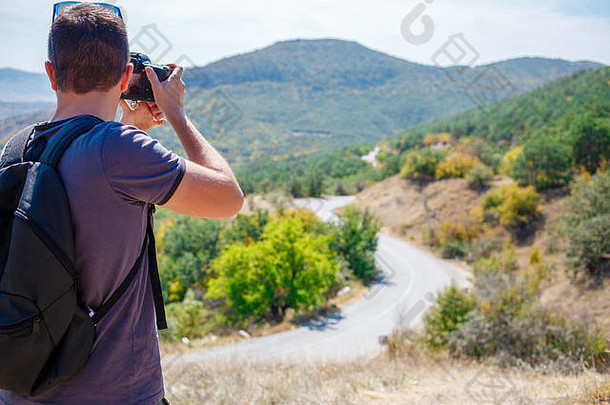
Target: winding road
[{"x": 410, "y": 277}]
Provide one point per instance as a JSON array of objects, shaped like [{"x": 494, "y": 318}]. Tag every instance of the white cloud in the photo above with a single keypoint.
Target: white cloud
[{"x": 209, "y": 30}]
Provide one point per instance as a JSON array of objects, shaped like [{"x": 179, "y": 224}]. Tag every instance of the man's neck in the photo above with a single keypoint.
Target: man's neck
[{"x": 99, "y": 104}]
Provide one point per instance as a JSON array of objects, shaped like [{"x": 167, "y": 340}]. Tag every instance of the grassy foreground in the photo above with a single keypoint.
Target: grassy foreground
[{"x": 408, "y": 379}]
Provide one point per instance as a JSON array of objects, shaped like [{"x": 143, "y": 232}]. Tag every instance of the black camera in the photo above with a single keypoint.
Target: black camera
[{"x": 140, "y": 88}]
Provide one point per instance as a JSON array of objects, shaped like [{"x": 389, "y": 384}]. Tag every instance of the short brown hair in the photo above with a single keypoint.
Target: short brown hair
[{"x": 88, "y": 48}]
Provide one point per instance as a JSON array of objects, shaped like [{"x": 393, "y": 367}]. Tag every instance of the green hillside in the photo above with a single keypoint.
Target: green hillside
[
  {"x": 514, "y": 118},
  {"x": 561, "y": 124}
]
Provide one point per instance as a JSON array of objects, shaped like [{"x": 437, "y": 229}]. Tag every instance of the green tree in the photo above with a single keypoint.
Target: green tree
[
  {"x": 246, "y": 228},
  {"x": 546, "y": 161},
  {"x": 391, "y": 163},
  {"x": 290, "y": 267},
  {"x": 355, "y": 239},
  {"x": 587, "y": 225},
  {"x": 185, "y": 250},
  {"x": 479, "y": 176},
  {"x": 340, "y": 188},
  {"x": 295, "y": 187},
  {"x": 591, "y": 140},
  {"x": 314, "y": 183},
  {"x": 420, "y": 165}
]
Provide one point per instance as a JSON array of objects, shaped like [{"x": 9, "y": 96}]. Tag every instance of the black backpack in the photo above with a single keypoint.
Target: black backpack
[{"x": 46, "y": 334}]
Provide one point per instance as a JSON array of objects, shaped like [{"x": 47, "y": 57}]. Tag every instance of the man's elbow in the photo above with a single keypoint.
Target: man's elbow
[
  {"x": 237, "y": 201},
  {"x": 230, "y": 201}
]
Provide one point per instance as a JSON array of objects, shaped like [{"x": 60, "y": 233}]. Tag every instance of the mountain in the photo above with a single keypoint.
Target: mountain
[
  {"x": 8, "y": 110},
  {"x": 304, "y": 96}
]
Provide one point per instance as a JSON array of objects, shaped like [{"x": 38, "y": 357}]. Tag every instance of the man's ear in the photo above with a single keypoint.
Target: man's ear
[
  {"x": 51, "y": 73},
  {"x": 126, "y": 77}
]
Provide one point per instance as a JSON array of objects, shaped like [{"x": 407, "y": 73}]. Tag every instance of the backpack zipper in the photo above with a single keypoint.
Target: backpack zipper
[{"x": 21, "y": 326}]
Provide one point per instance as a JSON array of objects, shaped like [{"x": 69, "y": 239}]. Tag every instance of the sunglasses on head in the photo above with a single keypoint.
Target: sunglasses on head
[{"x": 62, "y": 7}]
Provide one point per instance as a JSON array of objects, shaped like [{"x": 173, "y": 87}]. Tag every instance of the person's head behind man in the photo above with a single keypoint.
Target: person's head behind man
[{"x": 88, "y": 51}]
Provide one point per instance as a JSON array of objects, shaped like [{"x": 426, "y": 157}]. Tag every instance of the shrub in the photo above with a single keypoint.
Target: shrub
[
  {"x": 185, "y": 319},
  {"x": 453, "y": 238},
  {"x": 535, "y": 338},
  {"x": 587, "y": 224},
  {"x": 420, "y": 165},
  {"x": 535, "y": 255},
  {"x": 504, "y": 262},
  {"x": 485, "y": 245},
  {"x": 508, "y": 325},
  {"x": 454, "y": 249},
  {"x": 456, "y": 165},
  {"x": 479, "y": 176},
  {"x": 451, "y": 231},
  {"x": 511, "y": 205},
  {"x": 446, "y": 316}
]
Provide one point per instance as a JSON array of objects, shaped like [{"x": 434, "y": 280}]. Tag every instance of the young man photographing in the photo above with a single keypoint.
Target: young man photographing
[{"x": 111, "y": 174}]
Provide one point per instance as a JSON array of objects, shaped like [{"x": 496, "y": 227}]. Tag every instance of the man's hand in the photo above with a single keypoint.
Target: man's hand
[
  {"x": 208, "y": 188},
  {"x": 169, "y": 94},
  {"x": 145, "y": 116}
]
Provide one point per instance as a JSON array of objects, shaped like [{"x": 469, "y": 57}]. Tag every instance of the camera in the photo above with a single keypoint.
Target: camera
[{"x": 140, "y": 88}]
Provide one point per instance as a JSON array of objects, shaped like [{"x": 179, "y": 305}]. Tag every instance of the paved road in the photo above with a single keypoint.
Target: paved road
[{"x": 410, "y": 278}]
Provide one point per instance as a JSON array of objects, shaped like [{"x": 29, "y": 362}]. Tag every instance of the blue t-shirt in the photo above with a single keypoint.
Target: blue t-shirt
[{"x": 110, "y": 173}]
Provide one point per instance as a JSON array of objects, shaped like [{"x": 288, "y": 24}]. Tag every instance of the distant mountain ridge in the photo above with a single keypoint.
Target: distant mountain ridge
[
  {"x": 324, "y": 86},
  {"x": 358, "y": 66},
  {"x": 18, "y": 86}
]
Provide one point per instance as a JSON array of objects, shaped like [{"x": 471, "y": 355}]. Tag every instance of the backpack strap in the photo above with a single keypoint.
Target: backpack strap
[
  {"x": 153, "y": 272},
  {"x": 14, "y": 150},
  {"x": 147, "y": 246},
  {"x": 62, "y": 139}
]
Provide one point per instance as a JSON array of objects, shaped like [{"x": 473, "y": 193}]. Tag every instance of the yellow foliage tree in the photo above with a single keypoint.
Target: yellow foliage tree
[
  {"x": 442, "y": 138},
  {"x": 456, "y": 165},
  {"x": 508, "y": 160},
  {"x": 512, "y": 205}
]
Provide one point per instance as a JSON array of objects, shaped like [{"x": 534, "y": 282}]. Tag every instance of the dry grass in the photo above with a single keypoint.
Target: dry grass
[
  {"x": 409, "y": 379},
  {"x": 597, "y": 396}
]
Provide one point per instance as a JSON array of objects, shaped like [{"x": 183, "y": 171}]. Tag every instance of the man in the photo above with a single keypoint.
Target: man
[{"x": 110, "y": 174}]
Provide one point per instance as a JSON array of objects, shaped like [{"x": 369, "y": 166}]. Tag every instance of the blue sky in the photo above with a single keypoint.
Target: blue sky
[
  {"x": 586, "y": 7},
  {"x": 205, "y": 31}
]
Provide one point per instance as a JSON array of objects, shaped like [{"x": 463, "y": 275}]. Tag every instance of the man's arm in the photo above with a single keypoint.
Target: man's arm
[{"x": 209, "y": 188}]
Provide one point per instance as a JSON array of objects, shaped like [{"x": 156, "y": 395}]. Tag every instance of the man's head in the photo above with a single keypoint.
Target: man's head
[{"x": 88, "y": 50}]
